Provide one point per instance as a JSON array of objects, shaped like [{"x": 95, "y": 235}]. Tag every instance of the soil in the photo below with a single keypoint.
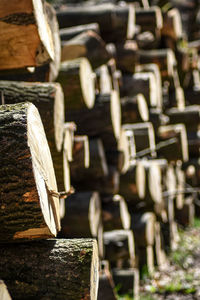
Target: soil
[{"x": 180, "y": 279}]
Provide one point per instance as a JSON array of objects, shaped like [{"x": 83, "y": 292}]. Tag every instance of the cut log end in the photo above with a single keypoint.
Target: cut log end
[
  {"x": 143, "y": 108},
  {"x": 115, "y": 113},
  {"x": 41, "y": 160},
  {"x": 87, "y": 82}
]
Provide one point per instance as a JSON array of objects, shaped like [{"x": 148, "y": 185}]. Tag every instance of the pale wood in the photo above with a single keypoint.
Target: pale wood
[
  {"x": 68, "y": 33},
  {"x": 24, "y": 27},
  {"x": 4, "y": 293}
]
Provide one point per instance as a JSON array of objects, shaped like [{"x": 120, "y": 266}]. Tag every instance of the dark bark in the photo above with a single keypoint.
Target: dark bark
[
  {"x": 87, "y": 44},
  {"x": 59, "y": 269},
  {"x": 127, "y": 280},
  {"x": 27, "y": 179}
]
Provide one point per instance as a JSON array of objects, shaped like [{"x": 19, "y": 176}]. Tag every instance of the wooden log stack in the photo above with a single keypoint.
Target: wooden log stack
[{"x": 121, "y": 124}]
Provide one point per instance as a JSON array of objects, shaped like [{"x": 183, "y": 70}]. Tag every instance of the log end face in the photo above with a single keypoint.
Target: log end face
[{"x": 87, "y": 79}]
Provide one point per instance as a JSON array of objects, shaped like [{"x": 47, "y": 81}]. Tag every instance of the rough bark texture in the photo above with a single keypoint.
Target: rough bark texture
[
  {"x": 77, "y": 81},
  {"x": 48, "y": 98},
  {"x": 87, "y": 44},
  {"x": 51, "y": 269},
  {"x": 113, "y": 20},
  {"x": 82, "y": 215},
  {"x": 28, "y": 210}
]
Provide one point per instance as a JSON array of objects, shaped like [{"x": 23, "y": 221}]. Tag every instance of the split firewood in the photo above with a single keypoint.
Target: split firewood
[
  {"x": 74, "y": 261},
  {"x": 25, "y": 29},
  {"x": 27, "y": 176}
]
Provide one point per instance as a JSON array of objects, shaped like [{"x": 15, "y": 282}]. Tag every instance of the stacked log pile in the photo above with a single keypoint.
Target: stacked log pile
[
  {"x": 34, "y": 175},
  {"x": 118, "y": 98}
]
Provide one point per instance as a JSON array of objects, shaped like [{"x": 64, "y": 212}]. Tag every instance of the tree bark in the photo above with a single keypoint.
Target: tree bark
[
  {"x": 115, "y": 213},
  {"x": 143, "y": 228},
  {"x": 25, "y": 29},
  {"x": 116, "y": 23},
  {"x": 29, "y": 199},
  {"x": 126, "y": 56},
  {"x": 172, "y": 25},
  {"x": 106, "y": 289},
  {"x": 149, "y": 19},
  {"x": 178, "y": 150},
  {"x": 120, "y": 248},
  {"x": 48, "y": 98},
  {"x": 69, "y": 33},
  {"x": 63, "y": 269},
  {"x": 134, "y": 109},
  {"x": 140, "y": 83},
  {"x": 77, "y": 81},
  {"x": 128, "y": 280},
  {"x": 87, "y": 44},
  {"x": 82, "y": 215}
]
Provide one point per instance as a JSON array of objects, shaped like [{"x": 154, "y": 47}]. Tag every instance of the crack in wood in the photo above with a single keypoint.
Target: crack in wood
[{"x": 19, "y": 19}]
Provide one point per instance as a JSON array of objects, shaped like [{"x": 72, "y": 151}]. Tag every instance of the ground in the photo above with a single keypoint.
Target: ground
[{"x": 180, "y": 280}]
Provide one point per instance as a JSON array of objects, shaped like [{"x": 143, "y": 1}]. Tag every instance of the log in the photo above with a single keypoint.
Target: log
[
  {"x": 63, "y": 268},
  {"x": 172, "y": 24},
  {"x": 104, "y": 117},
  {"x": 115, "y": 158},
  {"x": 164, "y": 58},
  {"x": 126, "y": 144},
  {"x": 25, "y": 29},
  {"x": 185, "y": 215},
  {"x": 115, "y": 74},
  {"x": 126, "y": 56},
  {"x": 181, "y": 183},
  {"x": 127, "y": 280},
  {"x": 104, "y": 81},
  {"x": 69, "y": 33},
  {"x": 98, "y": 166},
  {"x": 177, "y": 150},
  {"x": 160, "y": 255},
  {"x": 81, "y": 154},
  {"x": 143, "y": 226},
  {"x": 177, "y": 98},
  {"x": 117, "y": 23},
  {"x": 115, "y": 213},
  {"x": 149, "y": 18},
  {"x": 54, "y": 65},
  {"x": 140, "y": 83},
  {"x": 69, "y": 138},
  {"x": 49, "y": 100},
  {"x": 193, "y": 143},
  {"x": 157, "y": 118},
  {"x": 106, "y": 289},
  {"x": 132, "y": 184},
  {"x": 153, "y": 68},
  {"x": 146, "y": 258},
  {"x": 4, "y": 294},
  {"x": 87, "y": 44},
  {"x": 81, "y": 208},
  {"x": 134, "y": 109},
  {"x": 29, "y": 198},
  {"x": 144, "y": 137},
  {"x": 190, "y": 116},
  {"x": 119, "y": 248},
  {"x": 77, "y": 81}
]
